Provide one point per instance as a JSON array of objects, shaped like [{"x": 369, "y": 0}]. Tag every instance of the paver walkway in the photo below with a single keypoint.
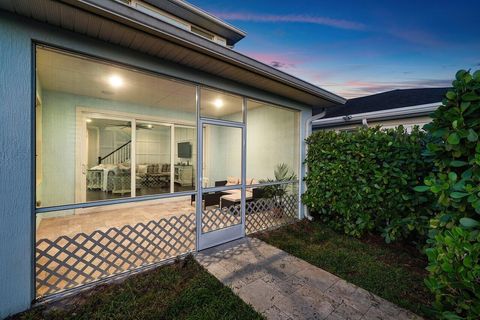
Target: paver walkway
[{"x": 281, "y": 286}]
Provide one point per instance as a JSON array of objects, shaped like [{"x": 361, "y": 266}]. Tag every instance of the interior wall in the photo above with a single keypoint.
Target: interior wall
[
  {"x": 185, "y": 134},
  {"x": 153, "y": 146},
  {"x": 272, "y": 139},
  {"x": 223, "y": 149},
  {"x": 111, "y": 138},
  {"x": 93, "y": 146}
]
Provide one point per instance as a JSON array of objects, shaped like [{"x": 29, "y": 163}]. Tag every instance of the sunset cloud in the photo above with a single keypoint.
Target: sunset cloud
[
  {"x": 416, "y": 36},
  {"x": 276, "y": 60},
  {"x": 294, "y": 18}
]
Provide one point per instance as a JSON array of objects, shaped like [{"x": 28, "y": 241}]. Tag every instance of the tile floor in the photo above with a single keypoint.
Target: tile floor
[{"x": 110, "y": 216}]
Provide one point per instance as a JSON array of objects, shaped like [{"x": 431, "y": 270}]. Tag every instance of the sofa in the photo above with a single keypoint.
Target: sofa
[
  {"x": 116, "y": 178},
  {"x": 229, "y": 198}
]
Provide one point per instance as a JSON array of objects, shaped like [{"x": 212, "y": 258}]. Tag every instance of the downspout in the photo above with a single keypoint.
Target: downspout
[{"x": 308, "y": 132}]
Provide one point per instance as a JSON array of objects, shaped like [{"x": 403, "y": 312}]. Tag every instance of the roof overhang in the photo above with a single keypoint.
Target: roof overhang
[
  {"x": 116, "y": 23},
  {"x": 387, "y": 114}
]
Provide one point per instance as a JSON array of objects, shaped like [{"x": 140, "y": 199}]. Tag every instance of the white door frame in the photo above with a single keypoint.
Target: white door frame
[
  {"x": 216, "y": 237},
  {"x": 82, "y": 113},
  {"x": 81, "y": 159}
]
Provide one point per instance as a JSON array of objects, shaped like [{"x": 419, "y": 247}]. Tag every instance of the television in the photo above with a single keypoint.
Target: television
[{"x": 184, "y": 150}]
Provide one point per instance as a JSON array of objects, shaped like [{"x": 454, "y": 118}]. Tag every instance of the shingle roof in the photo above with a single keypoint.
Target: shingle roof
[{"x": 399, "y": 98}]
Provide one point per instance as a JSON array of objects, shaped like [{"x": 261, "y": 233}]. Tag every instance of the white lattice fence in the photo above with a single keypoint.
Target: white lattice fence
[
  {"x": 68, "y": 262},
  {"x": 219, "y": 218},
  {"x": 267, "y": 213}
]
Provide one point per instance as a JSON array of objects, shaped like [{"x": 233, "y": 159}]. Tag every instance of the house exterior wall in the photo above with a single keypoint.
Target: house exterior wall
[
  {"x": 17, "y": 140},
  {"x": 406, "y": 122}
]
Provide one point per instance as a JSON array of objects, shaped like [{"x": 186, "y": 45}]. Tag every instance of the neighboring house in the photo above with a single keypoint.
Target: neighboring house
[
  {"x": 407, "y": 107},
  {"x": 132, "y": 134}
]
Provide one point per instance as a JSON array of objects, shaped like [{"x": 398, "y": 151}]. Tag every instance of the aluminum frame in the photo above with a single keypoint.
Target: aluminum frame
[{"x": 216, "y": 237}]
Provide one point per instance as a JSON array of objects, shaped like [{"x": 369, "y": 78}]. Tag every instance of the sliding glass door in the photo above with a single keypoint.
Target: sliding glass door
[{"x": 153, "y": 158}]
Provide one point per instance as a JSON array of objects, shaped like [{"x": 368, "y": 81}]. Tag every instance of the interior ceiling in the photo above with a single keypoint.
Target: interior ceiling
[{"x": 81, "y": 76}]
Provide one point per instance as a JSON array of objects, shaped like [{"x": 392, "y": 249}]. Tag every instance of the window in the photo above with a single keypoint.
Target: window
[
  {"x": 154, "y": 12},
  {"x": 202, "y": 33},
  {"x": 106, "y": 132}
]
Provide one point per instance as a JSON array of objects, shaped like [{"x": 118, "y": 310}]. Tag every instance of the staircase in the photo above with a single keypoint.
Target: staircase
[{"x": 119, "y": 155}]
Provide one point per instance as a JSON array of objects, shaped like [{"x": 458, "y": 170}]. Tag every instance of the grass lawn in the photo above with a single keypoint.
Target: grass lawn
[
  {"x": 393, "y": 272},
  {"x": 183, "y": 290}
]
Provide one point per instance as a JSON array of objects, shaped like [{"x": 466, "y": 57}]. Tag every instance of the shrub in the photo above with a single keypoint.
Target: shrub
[
  {"x": 363, "y": 181},
  {"x": 455, "y": 231}
]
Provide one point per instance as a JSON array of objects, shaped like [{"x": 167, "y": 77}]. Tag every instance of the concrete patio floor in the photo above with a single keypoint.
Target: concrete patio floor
[{"x": 281, "y": 286}]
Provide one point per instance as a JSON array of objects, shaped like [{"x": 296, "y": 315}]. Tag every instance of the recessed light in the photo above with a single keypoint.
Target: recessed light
[
  {"x": 89, "y": 120},
  {"x": 218, "y": 103},
  {"x": 115, "y": 81}
]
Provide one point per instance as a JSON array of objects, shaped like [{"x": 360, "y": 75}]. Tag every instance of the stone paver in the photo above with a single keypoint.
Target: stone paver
[{"x": 283, "y": 287}]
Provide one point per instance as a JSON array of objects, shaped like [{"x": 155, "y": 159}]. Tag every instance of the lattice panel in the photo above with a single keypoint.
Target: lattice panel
[
  {"x": 68, "y": 262},
  {"x": 219, "y": 218},
  {"x": 265, "y": 214}
]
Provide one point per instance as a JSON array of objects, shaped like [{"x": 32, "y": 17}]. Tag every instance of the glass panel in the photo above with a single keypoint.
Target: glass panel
[
  {"x": 220, "y": 105},
  {"x": 153, "y": 158},
  {"x": 79, "y": 246},
  {"x": 72, "y": 90},
  {"x": 108, "y": 145},
  {"x": 185, "y": 158},
  {"x": 272, "y": 142},
  {"x": 222, "y": 156}
]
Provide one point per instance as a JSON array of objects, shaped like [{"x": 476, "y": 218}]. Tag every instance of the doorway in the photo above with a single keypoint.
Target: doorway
[
  {"x": 117, "y": 162},
  {"x": 221, "y": 193}
]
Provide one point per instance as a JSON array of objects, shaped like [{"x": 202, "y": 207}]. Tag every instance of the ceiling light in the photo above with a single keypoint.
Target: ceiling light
[
  {"x": 149, "y": 126},
  {"x": 115, "y": 81},
  {"x": 218, "y": 103},
  {"x": 89, "y": 120}
]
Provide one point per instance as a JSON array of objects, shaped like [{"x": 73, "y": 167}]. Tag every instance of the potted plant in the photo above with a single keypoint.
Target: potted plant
[{"x": 282, "y": 173}]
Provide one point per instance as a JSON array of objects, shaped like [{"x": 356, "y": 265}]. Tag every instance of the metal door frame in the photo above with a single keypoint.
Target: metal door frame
[{"x": 217, "y": 237}]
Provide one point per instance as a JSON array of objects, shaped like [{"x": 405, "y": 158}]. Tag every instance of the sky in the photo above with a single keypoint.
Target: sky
[{"x": 358, "y": 47}]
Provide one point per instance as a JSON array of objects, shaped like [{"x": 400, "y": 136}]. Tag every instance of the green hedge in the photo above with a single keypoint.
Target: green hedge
[
  {"x": 454, "y": 253},
  {"x": 363, "y": 181}
]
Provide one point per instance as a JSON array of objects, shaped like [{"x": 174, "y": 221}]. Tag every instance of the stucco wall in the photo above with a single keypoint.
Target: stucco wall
[
  {"x": 17, "y": 177},
  {"x": 16, "y": 183}
]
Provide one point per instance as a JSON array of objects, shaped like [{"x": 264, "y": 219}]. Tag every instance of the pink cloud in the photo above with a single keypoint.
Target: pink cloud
[
  {"x": 277, "y": 60},
  {"x": 294, "y": 18},
  {"x": 416, "y": 36}
]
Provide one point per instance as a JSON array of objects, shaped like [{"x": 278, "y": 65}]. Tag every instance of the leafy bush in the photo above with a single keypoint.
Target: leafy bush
[
  {"x": 363, "y": 181},
  {"x": 455, "y": 232}
]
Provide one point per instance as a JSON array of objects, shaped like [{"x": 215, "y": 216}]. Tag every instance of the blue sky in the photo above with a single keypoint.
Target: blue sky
[{"x": 356, "y": 48}]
